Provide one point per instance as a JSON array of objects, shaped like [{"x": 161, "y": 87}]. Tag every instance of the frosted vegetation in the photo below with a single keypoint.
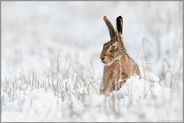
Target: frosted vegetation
[{"x": 51, "y": 70}]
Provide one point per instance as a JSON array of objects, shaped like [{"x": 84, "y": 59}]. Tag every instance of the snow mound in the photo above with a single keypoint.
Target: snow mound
[{"x": 43, "y": 105}]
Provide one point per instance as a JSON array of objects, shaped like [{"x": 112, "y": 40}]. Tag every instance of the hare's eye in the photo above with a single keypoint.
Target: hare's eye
[
  {"x": 112, "y": 47},
  {"x": 111, "y": 50}
]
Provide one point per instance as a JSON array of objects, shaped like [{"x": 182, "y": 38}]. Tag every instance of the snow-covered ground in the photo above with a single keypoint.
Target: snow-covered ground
[{"x": 51, "y": 70}]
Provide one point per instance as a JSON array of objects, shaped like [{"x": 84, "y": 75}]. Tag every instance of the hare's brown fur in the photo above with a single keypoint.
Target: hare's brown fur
[{"x": 119, "y": 66}]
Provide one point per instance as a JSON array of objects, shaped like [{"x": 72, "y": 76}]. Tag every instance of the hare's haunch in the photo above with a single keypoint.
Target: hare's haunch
[{"x": 119, "y": 66}]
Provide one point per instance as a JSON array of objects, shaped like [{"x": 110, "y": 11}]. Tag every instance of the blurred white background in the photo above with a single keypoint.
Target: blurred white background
[{"x": 32, "y": 27}]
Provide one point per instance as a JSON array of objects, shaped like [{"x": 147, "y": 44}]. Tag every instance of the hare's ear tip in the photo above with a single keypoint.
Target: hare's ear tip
[
  {"x": 105, "y": 17},
  {"x": 119, "y": 17}
]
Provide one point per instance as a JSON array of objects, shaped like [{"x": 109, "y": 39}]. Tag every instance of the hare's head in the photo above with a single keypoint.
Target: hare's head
[{"x": 115, "y": 47}]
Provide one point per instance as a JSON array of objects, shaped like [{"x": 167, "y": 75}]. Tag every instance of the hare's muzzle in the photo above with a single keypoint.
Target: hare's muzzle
[{"x": 102, "y": 58}]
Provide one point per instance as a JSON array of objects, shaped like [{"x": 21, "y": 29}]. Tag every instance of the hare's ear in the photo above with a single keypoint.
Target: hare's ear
[
  {"x": 119, "y": 24},
  {"x": 110, "y": 27}
]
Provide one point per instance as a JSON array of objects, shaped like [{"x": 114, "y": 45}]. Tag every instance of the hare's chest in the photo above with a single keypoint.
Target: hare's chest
[{"x": 114, "y": 70}]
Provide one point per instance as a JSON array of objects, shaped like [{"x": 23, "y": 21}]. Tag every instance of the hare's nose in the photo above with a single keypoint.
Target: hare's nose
[{"x": 103, "y": 58}]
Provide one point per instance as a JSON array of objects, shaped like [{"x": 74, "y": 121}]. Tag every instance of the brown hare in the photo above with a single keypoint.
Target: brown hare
[{"x": 119, "y": 66}]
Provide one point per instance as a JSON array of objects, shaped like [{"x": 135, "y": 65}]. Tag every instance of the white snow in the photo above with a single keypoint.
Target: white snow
[{"x": 51, "y": 70}]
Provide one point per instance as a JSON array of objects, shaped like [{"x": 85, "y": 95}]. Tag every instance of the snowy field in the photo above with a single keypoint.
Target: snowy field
[{"x": 51, "y": 68}]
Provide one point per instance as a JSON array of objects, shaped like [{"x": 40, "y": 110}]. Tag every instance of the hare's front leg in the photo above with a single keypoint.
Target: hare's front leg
[
  {"x": 106, "y": 84},
  {"x": 122, "y": 80}
]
